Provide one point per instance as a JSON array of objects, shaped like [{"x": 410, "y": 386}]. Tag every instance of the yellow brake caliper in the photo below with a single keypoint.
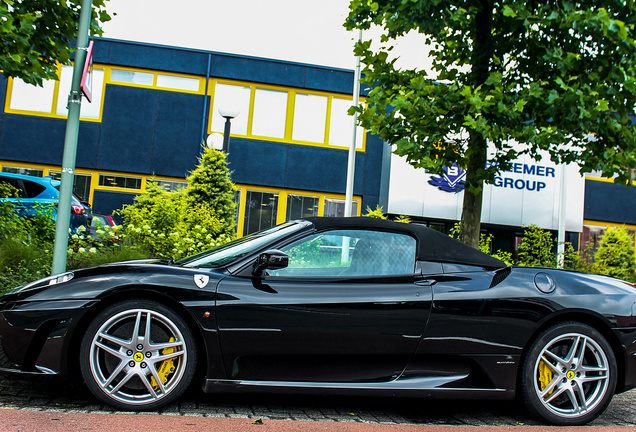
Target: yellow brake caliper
[
  {"x": 545, "y": 376},
  {"x": 166, "y": 367}
]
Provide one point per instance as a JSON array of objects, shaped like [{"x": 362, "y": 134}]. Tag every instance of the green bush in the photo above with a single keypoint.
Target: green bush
[
  {"x": 21, "y": 262},
  {"x": 189, "y": 221},
  {"x": 168, "y": 227},
  {"x": 157, "y": 225},
  {"x": 107, "y": 245},
  {"x": 536, "y": 248},
  {"x": 615, "y": 255},
  {"x": 485, "y": 245},
  {"x": 378, "y": 213},
  {"x": 581, "y": 260},
  {"x": 403, "y": 219},
  {"x": 26, "y": 244}
]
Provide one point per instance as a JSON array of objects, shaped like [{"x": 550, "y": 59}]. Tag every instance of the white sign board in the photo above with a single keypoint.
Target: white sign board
[{"x": 527, "y": 194}]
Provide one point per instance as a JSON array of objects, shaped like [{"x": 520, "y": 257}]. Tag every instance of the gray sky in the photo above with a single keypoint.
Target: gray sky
[{"x": 295, "y": 30}]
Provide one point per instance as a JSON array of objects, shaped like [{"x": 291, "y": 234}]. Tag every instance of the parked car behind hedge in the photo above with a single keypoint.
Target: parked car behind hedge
[{"x": 37, "y": 195}]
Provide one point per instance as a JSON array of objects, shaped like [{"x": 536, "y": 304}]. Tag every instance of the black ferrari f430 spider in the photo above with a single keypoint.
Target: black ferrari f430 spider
[{"x": 331, "y": 305}]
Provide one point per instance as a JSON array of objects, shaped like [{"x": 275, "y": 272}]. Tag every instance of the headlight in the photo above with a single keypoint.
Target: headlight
[
  {"x": 61, "y": 278},
  {"x": 41, "y": 283}
]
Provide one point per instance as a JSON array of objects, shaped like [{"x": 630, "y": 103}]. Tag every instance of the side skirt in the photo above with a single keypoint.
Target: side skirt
[{"x": 413, "y": 387}]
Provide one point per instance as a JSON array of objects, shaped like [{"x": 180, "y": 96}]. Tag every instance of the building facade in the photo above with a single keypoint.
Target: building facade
[{"x": 155, "y": 106}]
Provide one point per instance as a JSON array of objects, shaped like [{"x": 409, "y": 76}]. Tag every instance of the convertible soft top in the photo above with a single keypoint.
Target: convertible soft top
[{"x": 432, "y": 245}]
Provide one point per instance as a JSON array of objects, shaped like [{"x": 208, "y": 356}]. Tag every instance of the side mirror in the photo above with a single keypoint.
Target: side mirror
[{"x": 271, "y": 259}]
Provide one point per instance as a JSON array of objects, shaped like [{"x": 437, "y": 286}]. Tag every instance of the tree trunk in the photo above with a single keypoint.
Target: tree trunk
[
  {"x": 473, "y": 194},
  {"x": 477, "y": 144}
]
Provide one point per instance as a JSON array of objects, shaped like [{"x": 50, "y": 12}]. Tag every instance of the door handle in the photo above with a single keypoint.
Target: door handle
[{"x": 426, "y": 282}]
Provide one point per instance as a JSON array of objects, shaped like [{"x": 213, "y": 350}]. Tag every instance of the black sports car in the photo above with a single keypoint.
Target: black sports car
[{"x": 341, "y": 305}]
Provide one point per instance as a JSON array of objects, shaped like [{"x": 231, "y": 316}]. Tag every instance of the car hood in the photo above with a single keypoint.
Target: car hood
[{"x": 95, "y": 282}]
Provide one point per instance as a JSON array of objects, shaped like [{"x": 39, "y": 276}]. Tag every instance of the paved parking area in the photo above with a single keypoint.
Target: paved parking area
[{"x": 51, "y": 395}]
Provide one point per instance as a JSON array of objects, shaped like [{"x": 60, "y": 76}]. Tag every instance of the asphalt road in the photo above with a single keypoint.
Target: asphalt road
[{"x": 38, "y": 394}]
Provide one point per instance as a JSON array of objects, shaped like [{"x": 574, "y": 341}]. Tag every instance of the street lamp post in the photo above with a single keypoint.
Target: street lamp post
[
  {"x": 228, "y": 114},
  {"x": 351, "y": 159},
  {"x": 70, "y": 143}
]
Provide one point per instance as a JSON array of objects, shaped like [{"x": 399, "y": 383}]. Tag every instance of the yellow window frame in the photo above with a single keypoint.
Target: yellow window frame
[
  {"x": 281, "y": 211},
  {"x": 289, "y": 114},
  {"x": 242, "y": 188},
  {"x": 56, "y": 90},
  {"x": 155, "y": 74},
  {"x": 94, "y": 185}
]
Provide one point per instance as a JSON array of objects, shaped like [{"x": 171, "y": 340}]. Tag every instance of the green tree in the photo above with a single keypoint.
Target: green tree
[
  {"x": 544, "y": 74},
  {"x": 535, "y": 250},
  {"x": 168, "y": 226},
  {"x": 210, "y": 186},
  {"x": 191, "y": 220},
  {"x": 615, "y": 255},
  {"x": 36, "y": 35}
]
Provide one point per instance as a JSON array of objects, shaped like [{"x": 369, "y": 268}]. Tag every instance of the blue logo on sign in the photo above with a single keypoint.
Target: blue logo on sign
[{"x": 452, "y": 180}]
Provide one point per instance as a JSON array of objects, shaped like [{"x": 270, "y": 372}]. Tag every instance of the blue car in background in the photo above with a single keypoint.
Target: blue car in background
[{"x": 35, "y": 194}]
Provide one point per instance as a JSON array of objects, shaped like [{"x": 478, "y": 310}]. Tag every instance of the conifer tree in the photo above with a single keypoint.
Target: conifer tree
[{"x": 210, "y": 186}]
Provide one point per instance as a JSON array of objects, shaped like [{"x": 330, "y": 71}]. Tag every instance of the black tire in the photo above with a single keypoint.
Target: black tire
[
  {"x": 128, "y": 369},
  {"x": 568, "y": 376}
]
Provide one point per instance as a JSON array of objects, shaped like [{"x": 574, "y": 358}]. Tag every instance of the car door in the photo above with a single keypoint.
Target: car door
[{"x": 348, "y": 308}]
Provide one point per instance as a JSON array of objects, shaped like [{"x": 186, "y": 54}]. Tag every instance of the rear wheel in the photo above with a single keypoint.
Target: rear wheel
[
  {"x": 568, "y": 375},
  {"x": 138, "y": 355}
]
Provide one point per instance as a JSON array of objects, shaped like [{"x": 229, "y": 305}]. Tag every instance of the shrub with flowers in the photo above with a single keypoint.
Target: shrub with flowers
[
  {"x": 190, "y": 220},
  {"x": 169, "y": 228}
]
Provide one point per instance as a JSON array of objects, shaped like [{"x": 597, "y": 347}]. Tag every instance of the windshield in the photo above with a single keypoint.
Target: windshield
[{"x": 240, "y": 248}]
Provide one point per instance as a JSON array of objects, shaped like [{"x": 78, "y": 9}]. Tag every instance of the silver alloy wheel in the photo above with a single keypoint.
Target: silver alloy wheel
[
  {"x": 571, "y": 375},
  {"x": 138, "y": 356}
]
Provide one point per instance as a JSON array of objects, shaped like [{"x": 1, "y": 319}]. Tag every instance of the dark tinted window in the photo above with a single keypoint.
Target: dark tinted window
[
  {"x": 15, "y": 185},
  {"x": 261, "y": 211},
  {"x": 32, "y": 189}
]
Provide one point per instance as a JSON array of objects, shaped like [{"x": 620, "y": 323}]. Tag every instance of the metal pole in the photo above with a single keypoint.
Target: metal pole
[
  {"x": 562, "y": 210},
  {"x": 226, "y": 135},
  {"x": 70, "y": 143},
  {"x": 351, "y": 166}
]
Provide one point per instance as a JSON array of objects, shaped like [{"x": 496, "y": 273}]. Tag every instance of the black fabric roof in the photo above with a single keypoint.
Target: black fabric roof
[{"x": 431, "y": 245}]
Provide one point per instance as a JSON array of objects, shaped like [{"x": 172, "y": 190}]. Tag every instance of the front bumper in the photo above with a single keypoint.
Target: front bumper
[{"x": 36, "y": 337}]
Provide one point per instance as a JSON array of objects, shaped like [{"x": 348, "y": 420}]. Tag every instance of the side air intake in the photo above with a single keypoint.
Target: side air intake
[{"x": 499, "y": 276}]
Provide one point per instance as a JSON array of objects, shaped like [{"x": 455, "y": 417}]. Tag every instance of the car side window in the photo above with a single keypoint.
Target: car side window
[
  {"x": 349, "y": 253},
  {"x": 32, "y": 189},
  {"x": 12, "y": 188}
]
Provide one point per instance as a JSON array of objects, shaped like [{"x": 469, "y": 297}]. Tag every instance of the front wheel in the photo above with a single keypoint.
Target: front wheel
[
  {"x": 568, "y": 375},
  {"x": 138, "y": 355}
]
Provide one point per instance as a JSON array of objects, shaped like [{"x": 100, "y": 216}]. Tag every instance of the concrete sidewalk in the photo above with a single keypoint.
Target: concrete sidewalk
[{"x": 51, "y": 421}]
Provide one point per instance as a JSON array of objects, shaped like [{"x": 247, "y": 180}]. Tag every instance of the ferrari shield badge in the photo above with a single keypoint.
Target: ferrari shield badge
[{"x": 201, "y": 280}]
